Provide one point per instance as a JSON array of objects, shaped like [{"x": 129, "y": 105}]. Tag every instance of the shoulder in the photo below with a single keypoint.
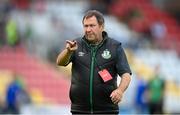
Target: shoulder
[
  {"x": 109, "y": 39},
  {"x": 113, "y": 42}
]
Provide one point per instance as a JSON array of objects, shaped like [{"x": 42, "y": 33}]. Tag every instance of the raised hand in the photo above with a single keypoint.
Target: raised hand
[{"x": 71, "y": 45}]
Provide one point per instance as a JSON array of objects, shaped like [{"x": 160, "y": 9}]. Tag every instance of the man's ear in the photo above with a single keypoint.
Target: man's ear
[{"x": 102, "y": 26}]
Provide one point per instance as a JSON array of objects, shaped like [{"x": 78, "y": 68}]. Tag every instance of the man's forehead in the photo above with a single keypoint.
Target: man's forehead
[{"x": 90, "y": 20}]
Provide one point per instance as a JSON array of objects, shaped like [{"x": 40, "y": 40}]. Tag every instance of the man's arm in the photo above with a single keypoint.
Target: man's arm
[
  {"x": 117, "y": 94},
  {"x": 64, "y": 57},
  {"x": 125, "y": 80}
]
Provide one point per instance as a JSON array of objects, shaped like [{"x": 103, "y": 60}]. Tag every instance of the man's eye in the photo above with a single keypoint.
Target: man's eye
[
  {"x": 85, "y": 26},
  {"x": 92, "y": 25}
]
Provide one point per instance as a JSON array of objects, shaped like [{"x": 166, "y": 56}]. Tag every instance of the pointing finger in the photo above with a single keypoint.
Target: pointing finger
[{"x": 71, "y": 43}]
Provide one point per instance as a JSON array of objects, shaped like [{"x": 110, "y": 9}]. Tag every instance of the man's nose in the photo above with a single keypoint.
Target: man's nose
[{"x": 88, "y": 29}]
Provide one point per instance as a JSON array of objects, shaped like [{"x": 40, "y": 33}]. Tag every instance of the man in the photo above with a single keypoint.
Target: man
[
  {"x": 97, "y": 60},
  {"x": 13, "y": 89},
  {"x": 156, "y": 91}
]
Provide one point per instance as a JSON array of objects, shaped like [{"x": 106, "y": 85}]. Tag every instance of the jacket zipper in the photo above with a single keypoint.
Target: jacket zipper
[{"x": 93, "y": 53}]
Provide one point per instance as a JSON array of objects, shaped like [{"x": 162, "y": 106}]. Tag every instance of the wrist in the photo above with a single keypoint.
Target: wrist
[{"x": 120, "y": 91}]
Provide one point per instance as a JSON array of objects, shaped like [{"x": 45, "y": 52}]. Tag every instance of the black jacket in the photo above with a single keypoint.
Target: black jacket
[{"x": 88, "y": 92}]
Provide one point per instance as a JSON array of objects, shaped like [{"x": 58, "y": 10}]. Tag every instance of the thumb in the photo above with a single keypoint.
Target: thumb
[{"x": 111, "y": 94}]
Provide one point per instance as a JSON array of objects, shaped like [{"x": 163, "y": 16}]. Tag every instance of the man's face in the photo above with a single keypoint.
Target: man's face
[{"x": 92, "y": 30}]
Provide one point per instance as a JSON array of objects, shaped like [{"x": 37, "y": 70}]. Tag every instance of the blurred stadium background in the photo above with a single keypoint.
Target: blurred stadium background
[{"x": 33, "y": 32}]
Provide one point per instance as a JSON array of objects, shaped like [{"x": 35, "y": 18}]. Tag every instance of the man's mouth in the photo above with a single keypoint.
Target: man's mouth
[{"x": 90, "y": 34}]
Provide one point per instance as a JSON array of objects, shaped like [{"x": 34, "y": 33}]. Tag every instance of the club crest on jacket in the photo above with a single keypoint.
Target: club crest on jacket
[{"x": 106, "y": 54}]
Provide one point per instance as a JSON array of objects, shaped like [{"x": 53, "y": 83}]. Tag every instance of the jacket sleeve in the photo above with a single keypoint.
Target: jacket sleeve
[{"x": 122, "y": 65}]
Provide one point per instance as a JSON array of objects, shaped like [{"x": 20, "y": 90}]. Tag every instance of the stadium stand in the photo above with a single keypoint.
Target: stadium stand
[
  {"x": 151, "y": 14},
  {"x": 49, "y": 86},
  {"x": 45, "y": 83}
]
